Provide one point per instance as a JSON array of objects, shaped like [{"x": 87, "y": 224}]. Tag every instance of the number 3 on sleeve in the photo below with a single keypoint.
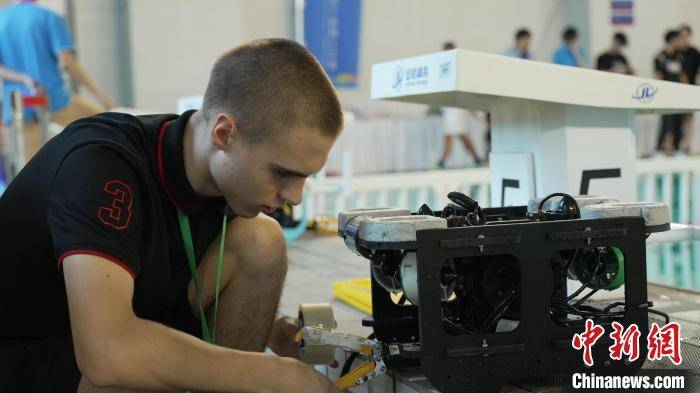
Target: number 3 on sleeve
[{"x": 118, "y": 214}]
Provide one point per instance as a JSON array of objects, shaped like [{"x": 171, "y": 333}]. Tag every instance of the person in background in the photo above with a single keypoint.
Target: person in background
[
  {"x": 691, "y": 63},
  {"x": 35, "y": 47},
  {"x": 521, "y": 49},
  {"x": 569, "y": 52},
  {"x": 614, "y": 60},
  {"x": 689, "y": 53},
  {"x": 456, "y": 125},
  {"x": 668, "y": 66}
]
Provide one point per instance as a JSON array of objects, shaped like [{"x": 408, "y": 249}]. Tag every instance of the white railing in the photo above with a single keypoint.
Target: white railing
[
  {"x": 331, "y": 195},
  {"x": 674, "y": 181}
]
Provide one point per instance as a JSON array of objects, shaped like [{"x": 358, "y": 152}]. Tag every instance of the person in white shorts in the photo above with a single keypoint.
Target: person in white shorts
[{"x": 456, "y": 123}]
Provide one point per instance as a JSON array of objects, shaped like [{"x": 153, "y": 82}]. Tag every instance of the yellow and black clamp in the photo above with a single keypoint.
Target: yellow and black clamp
[{"x": 319, "y": 341}]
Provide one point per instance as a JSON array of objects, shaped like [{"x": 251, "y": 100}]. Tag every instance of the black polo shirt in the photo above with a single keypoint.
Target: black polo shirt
[
  {"x": 691, "y": 63},
  {"x": 613, "y": 62},
  {"x": 669, "y": 65},
  {"x": 108, "y": 185}
]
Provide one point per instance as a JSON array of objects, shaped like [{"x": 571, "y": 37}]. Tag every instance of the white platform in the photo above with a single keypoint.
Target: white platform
[
  {"x": 475, "y": 80},
  {"x": 554, "y": 128}
]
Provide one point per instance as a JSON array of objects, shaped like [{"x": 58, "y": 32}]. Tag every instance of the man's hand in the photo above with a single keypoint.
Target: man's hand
[
  {"x": 300, "y": 378},
  {"x": 29, "y": 83},
  {"x": 281, "y": 339}
]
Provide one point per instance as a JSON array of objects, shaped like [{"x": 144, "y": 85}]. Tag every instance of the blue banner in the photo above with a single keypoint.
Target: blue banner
[
  {"x": 622, "y": 12},
  {"x": 332, "y": 34}
]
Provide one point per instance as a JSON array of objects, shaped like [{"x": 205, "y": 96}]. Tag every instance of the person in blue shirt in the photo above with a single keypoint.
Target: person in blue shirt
[
  {"x": 35, "y": 47},
  {"x": 521, "y": 49},
  {"x": 569, "y": 53}
]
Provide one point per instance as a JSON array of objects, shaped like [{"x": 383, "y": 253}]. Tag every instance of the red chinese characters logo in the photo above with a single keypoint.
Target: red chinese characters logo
[
  {"x": 665, "y": 342},
  {"x": 625, "y": 342},
  {"x": 587, "y": 339},
  {"x": 661, "y": 342}
]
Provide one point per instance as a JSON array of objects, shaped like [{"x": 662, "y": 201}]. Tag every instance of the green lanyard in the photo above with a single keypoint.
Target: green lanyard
[{"x": 189, "y": 249}]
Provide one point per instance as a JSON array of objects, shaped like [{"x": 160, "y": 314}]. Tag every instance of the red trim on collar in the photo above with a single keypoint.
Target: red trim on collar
[{"x": 159, "y": 151}]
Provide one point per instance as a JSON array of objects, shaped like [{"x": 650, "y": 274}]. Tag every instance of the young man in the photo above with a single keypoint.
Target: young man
[
  {"x": 569, "y": 53},
  {"x": 36, "y": 45},
  {"x": 100, "y": 228},
  {"x": 668, "y": 66},
  {"x": 521, "y": 49},
  {"x": 614, "y": 60}
]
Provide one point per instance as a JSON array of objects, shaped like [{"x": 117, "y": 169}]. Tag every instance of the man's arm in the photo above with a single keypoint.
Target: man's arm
[
  {"x": 114, "y": 347},
  {"x": 628, "y": 68},
  {"x": 71, "y": 64},
  {"x": 19, "y": 77},
  {"x": 579, "y": 56}
]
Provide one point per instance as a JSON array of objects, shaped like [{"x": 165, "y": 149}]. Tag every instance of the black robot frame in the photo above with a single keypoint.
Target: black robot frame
[{"x": 473, "y": 357}]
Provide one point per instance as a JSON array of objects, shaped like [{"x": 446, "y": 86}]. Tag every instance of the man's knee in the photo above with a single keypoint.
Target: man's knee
[{"x": 259, "y": 245}]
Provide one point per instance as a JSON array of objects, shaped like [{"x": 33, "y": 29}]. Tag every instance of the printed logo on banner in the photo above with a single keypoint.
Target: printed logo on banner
[
  {"x": 645, "y": 93},
  {"x": 445, "y": 69},
  {"x": 411, "y": 76},
  {"x": 397, "y": 81}
]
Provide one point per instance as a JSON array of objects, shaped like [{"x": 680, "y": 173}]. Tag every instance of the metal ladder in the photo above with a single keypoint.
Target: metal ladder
[{"x": 14, "y": 158}]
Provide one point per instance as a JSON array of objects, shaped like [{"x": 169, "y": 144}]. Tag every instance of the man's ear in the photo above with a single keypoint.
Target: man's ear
[{"x": 224, "y": 131}]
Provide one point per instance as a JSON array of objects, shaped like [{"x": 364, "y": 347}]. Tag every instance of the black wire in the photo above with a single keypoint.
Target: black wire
[
  {"x": 613, "y": 305},
  {"x": 586, "y": 307},
  {"x": 570, "y": 261},
  {"x": 583, "y": 299},
  {"x": 455, "y": 326},
  {"x": 564, "y": 196},
  {"x": 663, "y": 314},
  {"x": 351, "y": 359},
  {"x": 448, "y": 211},
  {"x": 594, "y": 312},
  {"x": 575, "y": 311},
  {"x": 578, "y": 292},
  {"x": 606, "y": 311},
  {"x": 500, "y": 309},
  {"x": 348, "y": 363}
]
